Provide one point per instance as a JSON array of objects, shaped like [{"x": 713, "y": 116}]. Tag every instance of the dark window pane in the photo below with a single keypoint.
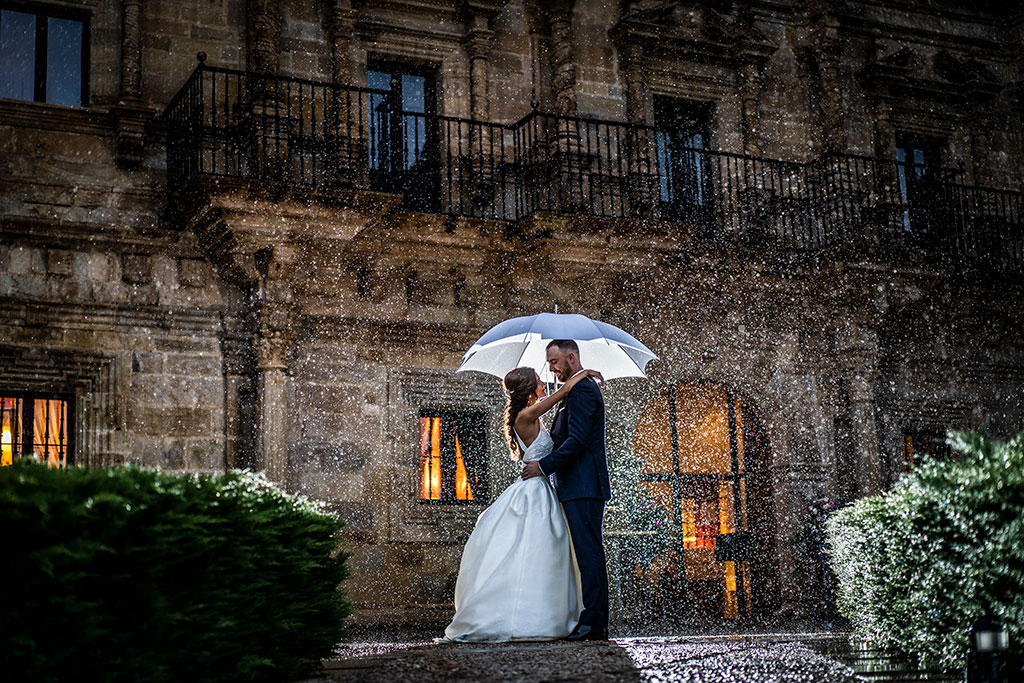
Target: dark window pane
[
  {"x": 17, "y": 55},
  {"x": 378, "y": 80},
  {"x": 414, "y": 93},
  {"x": 64, "y": 61}
]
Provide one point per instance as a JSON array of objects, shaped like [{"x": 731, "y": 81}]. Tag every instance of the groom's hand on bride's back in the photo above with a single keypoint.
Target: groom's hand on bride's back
[{"x": 532, "y": 469}]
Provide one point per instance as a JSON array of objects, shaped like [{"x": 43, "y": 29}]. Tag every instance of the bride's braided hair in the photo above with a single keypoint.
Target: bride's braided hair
[{"x": 520, "y": 383}]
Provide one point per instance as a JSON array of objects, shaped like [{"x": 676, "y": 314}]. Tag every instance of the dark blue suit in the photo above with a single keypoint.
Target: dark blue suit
[{"x": 580, "y": 467}]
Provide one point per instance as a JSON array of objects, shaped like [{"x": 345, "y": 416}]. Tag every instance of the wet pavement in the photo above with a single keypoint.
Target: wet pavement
[{"x": 804, "y": 657}]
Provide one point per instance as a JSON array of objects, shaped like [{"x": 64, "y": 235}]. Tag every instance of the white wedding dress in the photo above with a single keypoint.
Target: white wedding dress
[{"x": 518, "y": 579}]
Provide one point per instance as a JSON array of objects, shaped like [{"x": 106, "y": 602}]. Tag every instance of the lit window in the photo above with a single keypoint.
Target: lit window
[
  {"x": 36, "y": 426},
  {"x": 923, "y": 444},
  {"x": 452, "y": 460},
  {"x": 43, "y": 57}
]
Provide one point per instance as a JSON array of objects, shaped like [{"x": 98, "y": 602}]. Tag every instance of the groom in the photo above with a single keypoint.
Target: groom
[{"x": 581, "y": 472}]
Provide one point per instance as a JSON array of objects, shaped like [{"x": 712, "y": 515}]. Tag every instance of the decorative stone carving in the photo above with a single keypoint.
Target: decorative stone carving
[
  {"x": 130, "y": 115},
  {"x": 693, "y": 31},
  {"x": 562, "y": 55},
  {"x": 131, "y": 49}
]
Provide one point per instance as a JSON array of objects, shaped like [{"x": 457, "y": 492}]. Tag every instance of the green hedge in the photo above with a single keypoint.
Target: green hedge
[
  {"x": 129, "y": 574},
  {"x": 919, "y": 564}
]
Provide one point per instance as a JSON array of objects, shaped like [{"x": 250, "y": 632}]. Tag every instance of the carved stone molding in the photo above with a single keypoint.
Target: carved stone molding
[
  {"x": 692, "y": 31},
  {"x": 410, "y": 389},
  {"x": 99, "y": 386},
  {"x": 950, "y": 79},
  {"x": 131, "y": 49},
  {"x": 130, "y": 115}
]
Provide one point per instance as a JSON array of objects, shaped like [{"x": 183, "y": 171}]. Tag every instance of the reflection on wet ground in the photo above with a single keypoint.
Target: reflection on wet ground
[{"x": 782, "y": 657}]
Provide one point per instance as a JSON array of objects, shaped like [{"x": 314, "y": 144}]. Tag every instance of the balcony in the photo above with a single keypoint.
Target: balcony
[{"x": 293, "y": 134}]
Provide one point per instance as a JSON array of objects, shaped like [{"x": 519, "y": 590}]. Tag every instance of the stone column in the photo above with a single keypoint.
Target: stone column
[
  {"x": 981, "y": 145},
  {"x": 274, "y": 317},
  {"x": 237, "y": 350},
  {"x": 479, "y": 40},
  {"x": 862, "y": 418},
  {"x": 273, "y": 345},
  {"x": 269, "y": 150},
  {"x": 344, "y": 106},
  {"x": 631, "y": 57},
  {"x": 643, "y": 178},
  {"x": 562, "y": 56},
  {"x": 131, "y": 49},
  {"x": 263, "y": 28},
  {"x": 130, "y": 115},
  {"x": 821, "y": 55},
  {"x": 751, "y": 80},
  {"x": 859, "y": 348},
  {"x": 341, "y": 28},
  {"x": 830, "y": 88}
]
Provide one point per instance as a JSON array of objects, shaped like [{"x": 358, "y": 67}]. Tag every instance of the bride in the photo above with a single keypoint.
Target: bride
[{"x": 518, "y": 578}]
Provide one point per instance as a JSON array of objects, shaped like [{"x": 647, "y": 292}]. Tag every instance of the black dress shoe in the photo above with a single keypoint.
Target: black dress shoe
[{"x": 584, "y": 632}]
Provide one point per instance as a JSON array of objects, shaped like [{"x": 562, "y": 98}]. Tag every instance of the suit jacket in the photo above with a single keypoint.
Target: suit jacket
[{"x": 578, "y": 460}]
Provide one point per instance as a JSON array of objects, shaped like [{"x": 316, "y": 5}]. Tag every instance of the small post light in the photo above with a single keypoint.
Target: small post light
[{"x": 989, "y": 642}]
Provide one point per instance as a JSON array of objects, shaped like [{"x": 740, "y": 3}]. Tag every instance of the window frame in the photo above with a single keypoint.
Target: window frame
[
  {"x": 27, "y": 437},
  {"x": 686, "y": 185},
  {"x": 43, "y": 12},
  {"x": 481, "y": 487},
  {"x": 418, "y": 176}
]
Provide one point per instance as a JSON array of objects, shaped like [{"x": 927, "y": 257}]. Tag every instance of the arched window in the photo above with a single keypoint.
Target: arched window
[{"x": 702, "y": 458}]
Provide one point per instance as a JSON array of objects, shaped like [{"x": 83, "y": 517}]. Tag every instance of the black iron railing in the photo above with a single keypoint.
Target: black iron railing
[{"x": 293, "y": 132}]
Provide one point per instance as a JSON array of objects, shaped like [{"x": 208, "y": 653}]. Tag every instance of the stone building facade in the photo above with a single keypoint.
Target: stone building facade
[{"x": 275, "y": 258}]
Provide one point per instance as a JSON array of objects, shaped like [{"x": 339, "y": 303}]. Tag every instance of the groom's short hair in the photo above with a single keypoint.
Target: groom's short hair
[{"x": 566, "y": 346}]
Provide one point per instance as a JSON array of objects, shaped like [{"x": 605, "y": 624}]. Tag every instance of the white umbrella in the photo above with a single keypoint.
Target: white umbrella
[{"x": 523, "y": 341}]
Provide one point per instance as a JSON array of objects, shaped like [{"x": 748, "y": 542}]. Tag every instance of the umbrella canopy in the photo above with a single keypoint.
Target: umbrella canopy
[{"x": 523, "y": 341}]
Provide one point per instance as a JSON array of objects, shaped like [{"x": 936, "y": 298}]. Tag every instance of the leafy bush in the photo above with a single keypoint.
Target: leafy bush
[
  {"x": 918, "y": 565},
  {"x": 128, "y": 574}
]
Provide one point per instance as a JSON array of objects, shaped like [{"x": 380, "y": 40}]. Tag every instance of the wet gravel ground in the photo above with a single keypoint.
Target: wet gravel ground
[{"x": 642, "y": 660}]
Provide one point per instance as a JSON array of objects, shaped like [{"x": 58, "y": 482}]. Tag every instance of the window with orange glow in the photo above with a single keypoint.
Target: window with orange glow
[
  {"x": 34, "y": 426},
  {"x": 923, "y": 444},
  {"x": 452, "y": 457},
  {"x": 692, "y": 441}
]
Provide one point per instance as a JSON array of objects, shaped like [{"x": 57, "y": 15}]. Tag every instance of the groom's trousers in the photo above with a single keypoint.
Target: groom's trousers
[{"x": 584, "y": 517}]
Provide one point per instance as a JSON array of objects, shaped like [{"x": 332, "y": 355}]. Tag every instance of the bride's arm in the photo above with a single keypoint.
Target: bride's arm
[{"x": 531, "y": 413}]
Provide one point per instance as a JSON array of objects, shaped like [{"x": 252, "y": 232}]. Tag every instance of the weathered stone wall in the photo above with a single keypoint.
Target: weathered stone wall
[{"x": 169, "y": 328}]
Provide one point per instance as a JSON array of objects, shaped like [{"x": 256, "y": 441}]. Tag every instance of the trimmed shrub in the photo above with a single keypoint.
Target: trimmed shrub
[
  {"x": 129, "y": 574},
  {"x": 918, "y": 565}
]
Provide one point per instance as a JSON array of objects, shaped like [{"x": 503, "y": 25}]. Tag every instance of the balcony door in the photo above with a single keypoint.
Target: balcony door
[
  {"x": 924, "y": 188},
  {"x": 404, "y": 155},
  {"x": 684, "y": 172}
]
